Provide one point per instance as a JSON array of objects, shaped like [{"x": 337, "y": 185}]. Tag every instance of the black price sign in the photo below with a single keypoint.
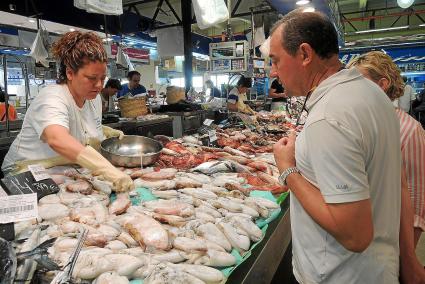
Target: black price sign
[{"x": 25, "y": 183}]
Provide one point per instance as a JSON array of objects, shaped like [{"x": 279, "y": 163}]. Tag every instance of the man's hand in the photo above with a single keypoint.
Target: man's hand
[{"x": 284, "y": 152}]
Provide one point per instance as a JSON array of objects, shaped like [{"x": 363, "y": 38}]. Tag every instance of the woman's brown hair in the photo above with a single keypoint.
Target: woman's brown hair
[{"x": 75, "y": 49}]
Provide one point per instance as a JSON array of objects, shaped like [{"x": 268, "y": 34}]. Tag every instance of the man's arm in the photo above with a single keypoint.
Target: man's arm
[
  {"x": 273, "y": 94},
  {"x": 232, "y": 107},
  {"x": 349, "y": 223}
]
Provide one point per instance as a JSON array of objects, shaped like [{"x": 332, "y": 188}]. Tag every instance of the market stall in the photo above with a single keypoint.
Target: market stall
[{"x": 197, "y": 203}]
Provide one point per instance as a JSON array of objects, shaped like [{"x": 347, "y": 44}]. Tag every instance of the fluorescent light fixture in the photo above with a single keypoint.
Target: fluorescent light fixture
[
  {"x": 302, "y": 2},
  {"x": 31, "y": 20},
  {"x": 405, "y": 3},
  {"x": 382, "y": 30},
  {"x": 412, "y": 73},
  {"x": 72, "y": 29},
  {"x": 422, "y": 25},
  {"x": 309, "y": 10}
]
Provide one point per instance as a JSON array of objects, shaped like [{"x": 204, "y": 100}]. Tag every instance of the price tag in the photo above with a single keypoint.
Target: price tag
[
  {"x": 16, "y": 208},
  {"x": 208, "y": 122},
  {"x": 212, "y": 135},
  {"x": 38, "y": 172}
]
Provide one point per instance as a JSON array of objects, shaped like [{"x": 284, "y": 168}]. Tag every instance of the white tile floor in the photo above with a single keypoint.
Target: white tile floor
[{"x": 420, "y": 249}]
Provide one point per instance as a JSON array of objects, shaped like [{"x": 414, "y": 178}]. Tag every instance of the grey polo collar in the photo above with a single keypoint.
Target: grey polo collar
[{"x": 340, "y": 77}]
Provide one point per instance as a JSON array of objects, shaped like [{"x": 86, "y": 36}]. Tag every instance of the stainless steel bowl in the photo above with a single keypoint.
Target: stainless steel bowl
[{"x": 131, "y": 151}]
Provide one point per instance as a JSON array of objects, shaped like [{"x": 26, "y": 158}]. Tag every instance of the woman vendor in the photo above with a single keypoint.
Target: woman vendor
[
  {"x": 64, "y": 120},
  {"x": 237, "y": 96}
]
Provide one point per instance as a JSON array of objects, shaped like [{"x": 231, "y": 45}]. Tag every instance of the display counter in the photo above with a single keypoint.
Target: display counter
[
  {"x": 266, "y": 257},
  {"x": 149, "y": 128}
]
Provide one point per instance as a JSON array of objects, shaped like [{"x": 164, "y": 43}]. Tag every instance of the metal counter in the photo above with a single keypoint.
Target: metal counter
[
  {"x": 186, "y": 122},
  {"x": 265, "y": 259},
  {"x": 149, "y": 128}
]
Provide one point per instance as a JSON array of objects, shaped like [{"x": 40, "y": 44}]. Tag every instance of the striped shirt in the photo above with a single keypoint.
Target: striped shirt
[{"x": 412, "y": 137}]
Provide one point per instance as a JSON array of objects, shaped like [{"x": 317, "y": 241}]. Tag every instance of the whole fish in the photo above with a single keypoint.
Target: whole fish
[
  {"x": 7, "y": 262},
  {"x": 213, "y": 167}
]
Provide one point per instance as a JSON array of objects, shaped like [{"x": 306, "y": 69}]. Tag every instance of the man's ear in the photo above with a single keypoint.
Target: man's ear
[{"x": 306, "y": 53}]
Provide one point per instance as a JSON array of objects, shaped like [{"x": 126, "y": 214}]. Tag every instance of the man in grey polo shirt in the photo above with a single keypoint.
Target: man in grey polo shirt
[{"x": 343, "y": 169}]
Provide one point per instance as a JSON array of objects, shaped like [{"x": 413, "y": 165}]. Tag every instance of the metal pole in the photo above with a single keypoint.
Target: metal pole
[
  {"x": 26, "y": 81},
  {"x": 187, "y": 39},
  {"x": 252, "y": 32},
  {"x": 6, "y": 96}
]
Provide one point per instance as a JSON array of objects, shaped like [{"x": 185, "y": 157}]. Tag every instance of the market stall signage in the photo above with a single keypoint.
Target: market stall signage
[
  {"x": 25, "y": 183},
  {"x": 399, "y": 55},
  {"x": 135, "y": 54}
]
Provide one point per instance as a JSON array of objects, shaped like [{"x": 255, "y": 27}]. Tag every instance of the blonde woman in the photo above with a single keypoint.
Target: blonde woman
[{"x": 379, "y": 67}]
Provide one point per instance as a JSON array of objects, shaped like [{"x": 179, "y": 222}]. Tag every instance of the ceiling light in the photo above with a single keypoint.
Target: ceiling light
[
  {"x": 405, "y": 3},
  {"x": 422, "y": 25},
  {"x": 302, "y": 2},
  {"x": 72, "y": 29},
  {"x": 381, "y": 30},
  {"x": 31, "y": 20},
  {"x": 309, "y": 10}
]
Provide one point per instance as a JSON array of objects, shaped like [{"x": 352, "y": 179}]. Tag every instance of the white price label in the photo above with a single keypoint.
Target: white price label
[
  {"x": 208, "y": 122},
  {"x": 39, "y": 172},
  {"x": 16, "y": 208},
  {"x": 212, "y": 135}
]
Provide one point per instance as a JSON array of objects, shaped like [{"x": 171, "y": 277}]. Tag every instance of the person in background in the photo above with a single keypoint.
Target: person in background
[
  {"x": 277, "y": 93},
  {"x": 11, "y": 111},
  {"x": 133, "y": 86},
  {"x": 418, "y": 107},
  {"x": 237, "y": 96},
  {"x": 65, "y": 120},
  {"x": 379, "y": 67},
  {"x": 343, "y": 169},
  {"x": 405, "y": 101},
  {"x": 215, "y": 92},
  {"x": 111, "y": 88}
]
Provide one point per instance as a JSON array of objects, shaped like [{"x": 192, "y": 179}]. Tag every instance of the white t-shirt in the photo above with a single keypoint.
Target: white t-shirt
[
  {"x": 405, "y": 100},
  {"x": 350, "y": 150},
  {"x": 54, "y": 105}
]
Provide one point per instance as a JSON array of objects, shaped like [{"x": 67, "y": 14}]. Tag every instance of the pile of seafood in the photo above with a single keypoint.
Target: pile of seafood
[
  {"x": 247, "y": 152},
  {"x": 202, "y": 213}
]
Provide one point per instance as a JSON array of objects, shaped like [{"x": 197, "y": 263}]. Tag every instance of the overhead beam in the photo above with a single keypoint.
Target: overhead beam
[
  {"x": 173, "y": 11},
  {"x": 383, "y": 16},
  {"x": 420, "y": 18},
  {"x": 380, "y": 9},
  {"x": 139, "y": 2},
  {"x": 157, "y": 10},
  {"x": 348, "y": 22},
  {"x": 255, "y": 13},
  {"x": 392, "y": 25},
  {"x": 235, "y": 8}
]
